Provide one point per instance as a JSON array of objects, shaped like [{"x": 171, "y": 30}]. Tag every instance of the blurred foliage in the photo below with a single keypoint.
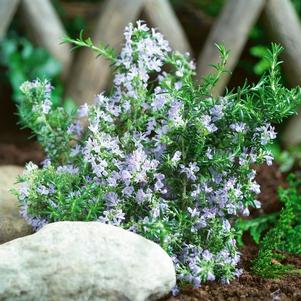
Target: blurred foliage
[
  {"x": 297, "y": 5},
  {"x": 23, "y": 61},
  {"x": 263, "y": 64},
  {"x": 210, "y": 7},
  {"x": 260, "y": 50},
  {"x": 257, "y": 227},
  {"x": 286, "y": 159}
]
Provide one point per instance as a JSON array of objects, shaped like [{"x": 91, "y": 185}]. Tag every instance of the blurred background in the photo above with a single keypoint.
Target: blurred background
[{"x": 31, "y": 32}]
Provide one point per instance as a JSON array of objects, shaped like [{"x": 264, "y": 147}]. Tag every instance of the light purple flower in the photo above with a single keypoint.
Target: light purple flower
[
  {"x": 239, "y": 127},
  {"x": 83, "y": 110},
  {"x": 208, "y": 124},
  {"x": 176, "y": 157},
  {"x": 46, "y": 106}
]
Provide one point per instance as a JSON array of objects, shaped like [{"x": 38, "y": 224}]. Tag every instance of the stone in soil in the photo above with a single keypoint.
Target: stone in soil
[
  {"x": 84, "y": 261},
  {"x": 12, "y": 225}
]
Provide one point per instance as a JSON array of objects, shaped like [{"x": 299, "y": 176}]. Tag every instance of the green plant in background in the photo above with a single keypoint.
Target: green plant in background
[
  {"x": 210, "y": 7},
  {"x": 261, "y": 48},
  {"x": 22, "y": 61},
  {"x": 75, "y": 24},
  {"x": 257, "y": 226},
  {"x": 287, "y": 159},
  {"x": 283, "y": 235},
  {"x": 260, "y": 52},
  {"x": 25, "y": 61}
]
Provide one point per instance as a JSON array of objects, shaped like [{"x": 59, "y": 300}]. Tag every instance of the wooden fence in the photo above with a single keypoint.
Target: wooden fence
[{"x": 85, "y": 76}]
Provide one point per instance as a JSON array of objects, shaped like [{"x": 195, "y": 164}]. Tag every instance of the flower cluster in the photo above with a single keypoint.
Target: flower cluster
[{"x": 160, "y": 155}]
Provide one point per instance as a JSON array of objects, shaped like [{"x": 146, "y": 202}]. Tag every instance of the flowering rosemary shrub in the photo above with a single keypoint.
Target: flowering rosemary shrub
[{"x": 160, "y": 155}]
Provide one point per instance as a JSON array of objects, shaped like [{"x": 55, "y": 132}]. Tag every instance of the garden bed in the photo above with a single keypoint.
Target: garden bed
[{"x": 248, "y": 286}]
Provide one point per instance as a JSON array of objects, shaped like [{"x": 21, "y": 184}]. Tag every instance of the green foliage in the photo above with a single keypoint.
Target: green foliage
[
  {"x": 260, "y": 50},
  {"x": 268, "y": 99},
  {"x": 46, "y": 124},
  {"x": 285, "y": 236},
  {"x": 263, "y": 64},
  {"x": 210, "y": 7},
  {"x": 100, "y": 50},
  {"x": 23, "y": 61},
  {"x": 297, "y": 6},
  {"x": 72, "y": 25},
  {"x": 257, "y": 226},
  {"x": 286, "y": 159}
]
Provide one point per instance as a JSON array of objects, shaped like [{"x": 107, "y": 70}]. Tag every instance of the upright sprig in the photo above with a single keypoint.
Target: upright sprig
[
  {"x": 210, "y": 80},
  {"x": 100, "y": 50},
  {"x": 49, "y": 124}
]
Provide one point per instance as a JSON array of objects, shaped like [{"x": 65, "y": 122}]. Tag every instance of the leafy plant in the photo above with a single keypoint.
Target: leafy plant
[
  {"x": 26, "y": 62},
  {"x": 161, "y": 156},
  {"x": 285, "y": 236},
  {"x": 257, "y": 226}
]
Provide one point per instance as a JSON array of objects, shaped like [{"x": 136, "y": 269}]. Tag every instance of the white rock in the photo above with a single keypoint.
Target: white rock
[
  {"x": 84, "y": 261},
  {"x": 11, "y": 223}
]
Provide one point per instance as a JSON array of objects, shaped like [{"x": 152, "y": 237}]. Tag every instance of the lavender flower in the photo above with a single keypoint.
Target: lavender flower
[
  {"x": 190, "y": 171},
  {"x": 46, "y": 106},
  {"x": 176, "y": 158},
  {"x": 239, "y": 127}
]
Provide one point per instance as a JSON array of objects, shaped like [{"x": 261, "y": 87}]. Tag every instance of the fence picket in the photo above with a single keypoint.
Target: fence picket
[
  {"x": 161, "y": 15},
  {"x": 7, "y": 11},
  {"x": 47, "y": 30},
  {"x": 232, "y": 34}
]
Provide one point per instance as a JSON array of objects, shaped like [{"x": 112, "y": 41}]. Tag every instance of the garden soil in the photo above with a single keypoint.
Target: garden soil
[{"x": 15, "y": 147}]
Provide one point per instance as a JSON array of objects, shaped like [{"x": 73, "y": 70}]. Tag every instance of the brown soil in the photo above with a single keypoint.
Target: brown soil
[
  {"x": 269, "y": 178},
  {"x": 15, "y": 146}
]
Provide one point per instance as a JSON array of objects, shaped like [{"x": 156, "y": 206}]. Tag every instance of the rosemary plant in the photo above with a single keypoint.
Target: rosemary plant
[{"x": 161, "y": 156}]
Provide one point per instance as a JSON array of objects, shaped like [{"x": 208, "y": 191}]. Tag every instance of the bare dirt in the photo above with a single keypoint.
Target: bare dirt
[{"x": 15, "y": 146}]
